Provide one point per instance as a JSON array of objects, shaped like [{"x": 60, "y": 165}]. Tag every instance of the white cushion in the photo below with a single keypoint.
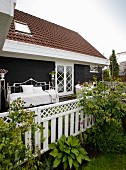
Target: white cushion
[
  {"x": 37, "y": 89},
  {"x": 50, "y": 90},
  {"x": 27, "y": 88}
]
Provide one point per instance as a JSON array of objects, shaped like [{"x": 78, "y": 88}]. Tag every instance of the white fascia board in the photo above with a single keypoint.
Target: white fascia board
[
  {"x": 7, "y": 7},
  {"x": 25, "y": 48},
  {"x": 6, "y": 15}
]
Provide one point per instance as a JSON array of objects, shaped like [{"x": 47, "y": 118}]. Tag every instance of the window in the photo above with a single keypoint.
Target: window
[
  {"x": 64, "y": 78},
  {"x": 22, "y": 27},
  {"x": 94, "y": 68}
]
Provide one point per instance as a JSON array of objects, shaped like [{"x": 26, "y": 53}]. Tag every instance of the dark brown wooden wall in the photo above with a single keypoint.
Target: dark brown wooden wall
[
  {"x": 82, "y": 73},
  {"x": 20, "y": 70}
]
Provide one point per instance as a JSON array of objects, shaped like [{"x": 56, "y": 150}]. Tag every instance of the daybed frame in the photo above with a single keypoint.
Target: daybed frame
[{"x": 17, "y": 88}]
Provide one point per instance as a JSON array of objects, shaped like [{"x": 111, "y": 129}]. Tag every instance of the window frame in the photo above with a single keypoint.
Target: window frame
[
  {"x": 20, "y": 30},
  {"x": 94, "y": 68}
]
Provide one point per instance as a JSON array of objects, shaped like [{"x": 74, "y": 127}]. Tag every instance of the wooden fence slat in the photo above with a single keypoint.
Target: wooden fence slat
[
  {"x": 53, "y": 130},
  {"x": 89, "y": 121},
  {"x": 38, "y": 133},
  {"x": 81, "y": 120},
  {"x": 45, "y": 135},
  {"x": 92, "y": 120},
  {"x": 85, "y": 122},
  {"x": 76, "y": 122},
  {"x": 28, "y": 139},
  {"x": 60, "y": 123},
  {"x": 72, "y": 124},
  {"x": 66, "y": 126}
]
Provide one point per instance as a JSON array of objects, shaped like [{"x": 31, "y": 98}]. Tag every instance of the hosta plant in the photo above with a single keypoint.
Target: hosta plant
[{"x": 67, "y": 152}]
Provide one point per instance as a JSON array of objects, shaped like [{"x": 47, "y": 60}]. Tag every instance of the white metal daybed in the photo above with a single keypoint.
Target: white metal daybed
[{"x": 33, "y": 93}]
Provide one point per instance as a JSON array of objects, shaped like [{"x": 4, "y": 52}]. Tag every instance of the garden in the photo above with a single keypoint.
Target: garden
[{"x": 103, "y": 146}]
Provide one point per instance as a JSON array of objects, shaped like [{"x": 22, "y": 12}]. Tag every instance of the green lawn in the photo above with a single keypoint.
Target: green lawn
[{"x": 108, "y": 162}]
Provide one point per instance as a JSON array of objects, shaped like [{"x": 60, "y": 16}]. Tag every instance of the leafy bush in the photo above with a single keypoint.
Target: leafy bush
[
  {"x": 68, "y": 152},
  {"x": 12, "y": 148},
  {"x": 106, "y": 105},
  {"x": 106, "y": 76},
  {"x": 109, "y": 139}
]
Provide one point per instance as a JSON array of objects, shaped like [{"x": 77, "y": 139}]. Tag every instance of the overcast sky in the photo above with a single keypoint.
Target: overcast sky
[{"x": 100, "y": 22}]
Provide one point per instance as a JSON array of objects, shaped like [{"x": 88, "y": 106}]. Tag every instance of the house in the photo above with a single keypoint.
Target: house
[
  {"x": 122, "y": 68},
  {"x": 122, "y": 65},
  {"x": 33, "y": 47}
]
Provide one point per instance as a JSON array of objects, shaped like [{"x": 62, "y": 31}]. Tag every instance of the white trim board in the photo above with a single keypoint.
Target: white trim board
[
  {"x": 7, "y": 6},
  {"x": 25, "y": 48}
]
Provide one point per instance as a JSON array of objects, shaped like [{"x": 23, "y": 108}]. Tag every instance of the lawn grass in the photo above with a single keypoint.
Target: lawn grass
[{"x": 108, "y": 162}]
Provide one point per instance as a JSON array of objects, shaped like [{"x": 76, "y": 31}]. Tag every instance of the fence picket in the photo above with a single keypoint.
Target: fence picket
[
  {"x": 81, "y": 120},
  {"x": 76, "y": 122},
  {"x": 53, "y": 130},
  {"x": 28, "y": 139},
  {"x": 85, "y": 122},
  {"x": 66, "y": 126},
  {"x": 72, "y": 124},
  {"x": 60, "y": 130},
  {"x": 93, "y": 120},
  {"x": 45, "y": 135},
  {"x": 89, "y": 121},
  {"x": 38, "y": 133}
]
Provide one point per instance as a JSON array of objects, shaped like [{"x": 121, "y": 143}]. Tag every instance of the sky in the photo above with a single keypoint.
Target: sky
[{"x": 101, "y": 22}]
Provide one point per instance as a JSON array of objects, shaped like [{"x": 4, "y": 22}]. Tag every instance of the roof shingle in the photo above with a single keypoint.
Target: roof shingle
[{"x": 48, "y": 34}]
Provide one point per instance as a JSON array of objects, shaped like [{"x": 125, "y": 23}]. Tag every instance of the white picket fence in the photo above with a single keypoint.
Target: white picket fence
[{"x": 57, "y": 119}]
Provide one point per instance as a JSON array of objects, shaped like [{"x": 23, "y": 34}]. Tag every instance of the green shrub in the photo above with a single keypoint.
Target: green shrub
[
  {"x": 106, "y": 76},
  {"x": 68, "y": 152},
  {"x": 106, "y": 105},
  {"x": 12, "y": 147},
  {"x": 109, "y": 139}
]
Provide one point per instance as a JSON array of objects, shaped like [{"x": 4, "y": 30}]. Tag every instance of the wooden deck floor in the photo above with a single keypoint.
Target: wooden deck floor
[{"x": 65, "y": 98}]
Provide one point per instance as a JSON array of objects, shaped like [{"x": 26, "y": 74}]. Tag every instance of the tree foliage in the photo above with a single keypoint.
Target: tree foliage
[
  {"x": 106, "y": 76},
  {"x": 114, "y": 66}
]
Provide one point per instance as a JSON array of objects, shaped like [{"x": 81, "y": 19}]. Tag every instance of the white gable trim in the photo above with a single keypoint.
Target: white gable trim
[
  {"x": 25, "y": 48},
  {"x": 7, "y": 7},
  {"x": 6, "y": 16}
]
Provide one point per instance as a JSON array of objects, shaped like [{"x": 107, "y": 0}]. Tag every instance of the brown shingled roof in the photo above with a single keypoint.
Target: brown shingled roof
[{"x": 48, "y": 34}]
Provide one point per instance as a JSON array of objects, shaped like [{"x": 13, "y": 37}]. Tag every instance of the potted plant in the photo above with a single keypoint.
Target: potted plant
[
  {"x": 52, "y": 73},
  {"x": 2, "y": 73}
]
